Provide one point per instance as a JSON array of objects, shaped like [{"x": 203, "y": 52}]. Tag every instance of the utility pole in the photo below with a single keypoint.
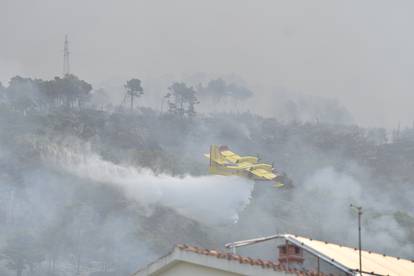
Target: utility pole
[
  {"x": 66, "y": 64},
  {"x": 359, "y": 209}
]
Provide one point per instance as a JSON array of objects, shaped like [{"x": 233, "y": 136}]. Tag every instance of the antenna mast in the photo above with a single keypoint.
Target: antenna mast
[{"x": 66, "y": 64}]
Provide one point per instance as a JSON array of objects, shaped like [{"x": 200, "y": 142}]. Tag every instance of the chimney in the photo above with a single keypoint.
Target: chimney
[{"x": 290, "y": 254}]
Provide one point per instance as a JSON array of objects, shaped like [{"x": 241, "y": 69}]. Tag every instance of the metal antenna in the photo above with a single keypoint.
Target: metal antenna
[
  {"x": 66, "y": 64},
  {"x": 359, "y": 209}
]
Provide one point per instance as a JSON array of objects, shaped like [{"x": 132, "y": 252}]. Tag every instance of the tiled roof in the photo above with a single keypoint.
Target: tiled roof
[
  {"x": 342, "y": 257},
  {"x": 372, "y": 263},
  {"x": 266, "y": 264}
]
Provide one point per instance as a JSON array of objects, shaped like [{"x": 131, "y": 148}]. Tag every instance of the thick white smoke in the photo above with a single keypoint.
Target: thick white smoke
[
  {"x": 207, "y": 199},
  {"x": 322, "y": 207}
]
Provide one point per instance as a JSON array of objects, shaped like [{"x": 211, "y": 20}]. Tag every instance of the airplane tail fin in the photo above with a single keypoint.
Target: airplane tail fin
[
  {"x": 215, "y": 155},
  {"x": 216, "y": 159}
]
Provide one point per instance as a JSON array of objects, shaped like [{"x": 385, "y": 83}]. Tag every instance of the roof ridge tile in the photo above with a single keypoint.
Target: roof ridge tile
[{"x": 266, "y": 264}]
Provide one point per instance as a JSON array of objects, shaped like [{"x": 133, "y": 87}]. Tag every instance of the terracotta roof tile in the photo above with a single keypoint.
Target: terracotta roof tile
[{"x": 244, "y": 260}]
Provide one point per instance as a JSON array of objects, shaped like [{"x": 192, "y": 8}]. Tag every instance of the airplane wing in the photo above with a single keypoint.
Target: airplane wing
[
  {"x": 230, "y": 156},
  {"x": 268, "y": 176},
  {"x": 239, "y": 166},
  {"x": 263, "y": 174}
]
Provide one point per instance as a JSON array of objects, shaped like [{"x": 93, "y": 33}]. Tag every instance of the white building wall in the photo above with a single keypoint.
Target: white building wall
[{"x": 188, "y": 269}]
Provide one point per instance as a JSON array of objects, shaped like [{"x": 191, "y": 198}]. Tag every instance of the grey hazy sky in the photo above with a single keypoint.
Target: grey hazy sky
[{"x": 360, "y": 51}]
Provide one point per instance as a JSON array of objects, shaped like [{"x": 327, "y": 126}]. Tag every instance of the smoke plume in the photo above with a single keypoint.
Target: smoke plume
[{"x": 207, "y": 199}]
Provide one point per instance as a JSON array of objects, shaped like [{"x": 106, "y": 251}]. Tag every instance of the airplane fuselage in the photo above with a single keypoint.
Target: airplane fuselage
[
  {"x": 239, "y": 170},
  {"x": 225, "y": 162}
]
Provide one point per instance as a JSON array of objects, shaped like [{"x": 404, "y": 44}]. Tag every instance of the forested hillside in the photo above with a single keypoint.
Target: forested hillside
[{"x": 102, "y": 188}]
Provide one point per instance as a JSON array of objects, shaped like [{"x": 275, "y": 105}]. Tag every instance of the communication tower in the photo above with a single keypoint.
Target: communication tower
[{"x": 66, "y": 64}]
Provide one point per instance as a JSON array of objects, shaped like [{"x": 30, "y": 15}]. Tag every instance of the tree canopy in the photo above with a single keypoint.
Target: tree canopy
[
  {"x": 134, "y": 90},
  {"x": 27, "y": 93},
  {"x": 182, "y": 99},
  {"x": 219, "y": 89}
]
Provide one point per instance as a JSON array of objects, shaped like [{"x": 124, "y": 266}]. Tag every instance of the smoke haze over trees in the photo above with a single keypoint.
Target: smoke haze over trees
[
  {"x": 362, "y": 59},
  {"x": 89, "y": 186},
  {"x": 103, "y": 171}
]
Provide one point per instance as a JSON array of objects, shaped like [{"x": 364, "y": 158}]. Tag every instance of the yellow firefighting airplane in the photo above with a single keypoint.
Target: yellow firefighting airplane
[{"x": 225, "y": 162}]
